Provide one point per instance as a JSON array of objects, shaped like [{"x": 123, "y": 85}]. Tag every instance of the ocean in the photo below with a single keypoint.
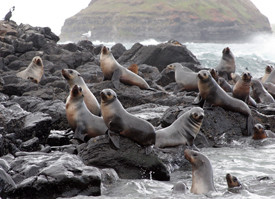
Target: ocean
[{"x": 253, "y": 163}]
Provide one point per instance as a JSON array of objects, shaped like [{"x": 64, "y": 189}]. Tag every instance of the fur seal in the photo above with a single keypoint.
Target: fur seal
[
  {"x": 270, "y": 87},
  {"x": 180, "y": 187},
  {"x": 220, "y": 80},
  {"x": 133, "y": 68},
  {"x": 202, "y": 172},
  {"x": 74, "y": 78},
  {"x": 260, "y": 132},
  {"x": 113, "y": 71},
  {"x": 235, "y": 77},
  {"x": 214, "y": 95},
  {"x": 84, "y": 124},
  {"x": 183, "y": 131},
  {"x": 34, "y": 71},
  {"x": 227, "y": 64},
  {"x": 233, "y": 183},
  {"x": 186, "y": 79},
  {"x": 259, "y": 93},
  {"x": 271, "y": 77},
  {"x": 119, "y": 121},
  {"x": 268, "y": 70}
]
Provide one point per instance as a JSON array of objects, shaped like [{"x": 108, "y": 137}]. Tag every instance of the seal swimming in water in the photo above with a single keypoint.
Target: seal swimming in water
[
  {"x": 84, "y": 124},
  {"x": 202, "y": 172},
  {"x": 119, "y": 121},
  {"x": 214, "y": 95},
  {"x": 183, "y": 131},
  {"x": 113, "y": 71},
  {"x": 233, "y": 183},
  {"x": 259, "y": 93},
  {"x": 227, "y": 64},
  {"x": 74, "y": 78},
  {"x": 260, "y": 132},
  {"x": 186, "y": 79},
  {"x": 34, "y": 71}
]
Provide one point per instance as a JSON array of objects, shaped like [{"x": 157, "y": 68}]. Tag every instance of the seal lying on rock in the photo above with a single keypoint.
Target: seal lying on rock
[
  {"x": 186, "y": 79},
  {"x": 74, "y": 78},
  {"x": 260, "y": 132},
  {"x": 34, "y": 71},
  {"x": 183, "y": 131},
  {"x": 84, "y": 124},
  {"x": 202, "y": 172},
  {"x": 119, "y": 121},
  {"x": 113, "y": 71},
  {"x": 214, "y": 95},
  {"x": 227, "y": 64}
]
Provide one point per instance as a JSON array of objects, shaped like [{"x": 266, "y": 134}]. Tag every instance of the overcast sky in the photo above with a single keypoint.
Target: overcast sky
[{"x": 52, "y": 13}]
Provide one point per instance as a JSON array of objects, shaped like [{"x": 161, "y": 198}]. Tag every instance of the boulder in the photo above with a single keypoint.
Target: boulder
[
  {"x": 117, "y": 50},
  {"x": 130, "y": 161}
]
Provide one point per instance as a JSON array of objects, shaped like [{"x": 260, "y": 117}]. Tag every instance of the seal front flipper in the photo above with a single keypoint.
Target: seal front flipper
[
  {"x": 249, "y": 126},
  {"x": 114, "y": 138},
  {"x": 115, "y": 78},
  {"x": 79, "y": 132},
  {"x": 198, "y": 101}
]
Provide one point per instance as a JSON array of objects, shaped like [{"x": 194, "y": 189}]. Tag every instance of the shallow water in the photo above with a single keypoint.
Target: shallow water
[{"x": 247, "y": 163}]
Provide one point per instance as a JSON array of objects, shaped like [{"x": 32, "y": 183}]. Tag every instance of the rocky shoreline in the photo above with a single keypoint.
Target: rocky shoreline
[{"x": 39, "y": 158}]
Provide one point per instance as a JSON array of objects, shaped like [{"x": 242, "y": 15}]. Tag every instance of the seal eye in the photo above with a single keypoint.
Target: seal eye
[
  {"x": 80, "y": 89},
  {"x": 234, "y": 179},
  {"x": 109, "y": 93},
  {"x": 70, "y": 71}
]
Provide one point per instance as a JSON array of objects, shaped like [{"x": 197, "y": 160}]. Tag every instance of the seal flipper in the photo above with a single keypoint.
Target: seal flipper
[
  {"x": 116, "y": 78},
  {"x": 249, "y": 126},
  {"x": 79, "y": 132},
  {"x": 114, "y": 138},
  {"x": 198, "y": 101}
]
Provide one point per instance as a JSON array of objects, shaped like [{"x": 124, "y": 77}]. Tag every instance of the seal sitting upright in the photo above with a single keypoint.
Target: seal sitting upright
[
  {"x": 214, "y": 95},
  {"x": 74, "y": 78},
  {"x": 202, "y": 172},
  {"x": 84, "y": 124},
  {"x": 34, "y": 71},
  {"x": 119, "y": 121},
  {"x": 227, "y": 64},
  {"x": 183, "y": 131},
  {"x": 113, "y": 71}
]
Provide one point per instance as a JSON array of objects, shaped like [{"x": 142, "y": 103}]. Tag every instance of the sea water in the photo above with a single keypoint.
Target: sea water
[{"x": 252, "y": 162}]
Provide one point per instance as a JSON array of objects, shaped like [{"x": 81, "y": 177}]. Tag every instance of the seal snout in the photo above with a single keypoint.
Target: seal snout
[{"x": 104, "y": 50}]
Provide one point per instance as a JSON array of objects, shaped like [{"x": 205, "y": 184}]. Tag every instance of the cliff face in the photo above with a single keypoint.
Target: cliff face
[{"x": 183, "y": 20}]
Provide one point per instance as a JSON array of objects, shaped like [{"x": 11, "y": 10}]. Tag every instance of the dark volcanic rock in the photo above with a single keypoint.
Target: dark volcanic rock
[
  {"x": 42, "y": 175},
  {"x": 117, "y": 50},
  {"x": 157, "y": 55},
  {"x": 130, "y": 160}
]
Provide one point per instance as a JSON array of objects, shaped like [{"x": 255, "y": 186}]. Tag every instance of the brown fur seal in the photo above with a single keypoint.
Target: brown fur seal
[
  {"x": 112, "y": 70},
  {"x": 74, "y": 78},
  {"x": 183, "y": 131},
  {"x": 268, "y": 70},
  {"x": 233, "y": 183},
  {"x": 118, "y": 120},
  {"x": 227, "y": 64},
  {"x": 202, "y": 172},
  {"x": 34, "y": 71},
  {"x": 259, "y": 93},
  {"x": 220, "y": 80},
  {"x": 214, "y": 95},
  {"x": 270, "y": 87},
  {"x": 133, "y": 68},
  {"x": 260, "y": 132},
  {"x": 81, "y": 120},
  {"x": 186, "y": 79}
]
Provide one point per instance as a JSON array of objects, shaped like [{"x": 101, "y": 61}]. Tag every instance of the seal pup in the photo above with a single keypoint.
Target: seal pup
[
  {"x": 259, "y": 93},
  {"x": 183, "y": 131},
  {"x": 84, "y": 124},
  {"x": 227, "y": 64},
  {"x": 34, "y": 71},
  {"x": 268, "y": 70},
  {"x": 74, "y": 78},
  {"x": 202, "y": 172},
  {"x": 214, "y": 95},
  {"x": 233, "y": 183},
  {"x": 113, "y": 71},
  {"x": 119, "y": 121},
  {"x": 260, "y": 132},
  {"x": 185, "y": 78}
]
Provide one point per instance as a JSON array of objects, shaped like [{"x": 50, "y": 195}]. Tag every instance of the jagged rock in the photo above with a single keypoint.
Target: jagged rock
[
  {"x": 22, "y": 46},
  {"x": 30, "y": 145},
  {"x": 130, "y": 160},
  {"x": 157, "y": 55},
  {"x": 51, "y": 175},
  {"x": 165, "y": 77},
  {"x": 117, "y": 50},
  {"x": 87, "y": 45},
  {"x": 59, "y": 138}
]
